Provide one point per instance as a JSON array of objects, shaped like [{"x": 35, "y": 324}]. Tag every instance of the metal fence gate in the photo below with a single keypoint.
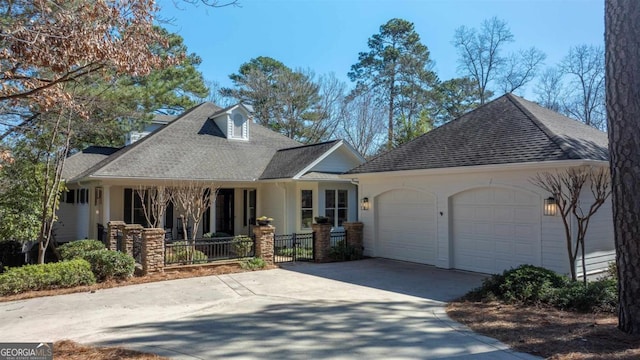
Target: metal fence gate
[{"x": 293, "y": 247}]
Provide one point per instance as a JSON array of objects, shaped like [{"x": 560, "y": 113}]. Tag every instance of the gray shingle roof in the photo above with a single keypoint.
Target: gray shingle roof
[
  {"x": 286, "y": 163},
  {"x": 80, "y": 162},
  {"x": 507, "y": 130},
  {"x": 192, "y": 147}
]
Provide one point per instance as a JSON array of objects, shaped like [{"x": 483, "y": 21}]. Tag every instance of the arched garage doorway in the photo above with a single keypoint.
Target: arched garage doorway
[
  {"x": 494, "y": 229},
  {"x": 406, "y": 226}
]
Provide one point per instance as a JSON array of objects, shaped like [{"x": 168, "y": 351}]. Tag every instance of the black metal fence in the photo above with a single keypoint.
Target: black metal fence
[
  {"x": 293, "y": 247},
  {"x": 137, "y": 248},
  {"x": 338, "y": 239},
  {"x": 208, "y": 250}
]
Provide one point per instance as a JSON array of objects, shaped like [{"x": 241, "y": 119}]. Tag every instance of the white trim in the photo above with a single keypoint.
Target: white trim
[{"x": 481, "y": 168}]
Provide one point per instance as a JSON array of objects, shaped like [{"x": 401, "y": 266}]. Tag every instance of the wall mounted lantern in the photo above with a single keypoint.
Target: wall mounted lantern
[
  {"x": 364, "y": 204},
  {"x": 550, "y": 207}
]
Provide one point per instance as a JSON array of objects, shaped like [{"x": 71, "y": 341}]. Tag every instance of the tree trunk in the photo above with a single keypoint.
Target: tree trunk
[{"x": 622, "y": 40}]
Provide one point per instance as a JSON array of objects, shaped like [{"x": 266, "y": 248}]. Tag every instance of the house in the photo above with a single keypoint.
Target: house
[
  {"x": 256, "y": 171},
  {"x": 461, "y": 196}
]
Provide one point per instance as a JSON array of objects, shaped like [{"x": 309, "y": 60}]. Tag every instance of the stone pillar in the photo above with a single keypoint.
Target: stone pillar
[
  {"x": 113, "y": 229},
  {"x": 354, "y": 236},
  {"x": 264, "y": 242},
  {"x": 321, "y": 242},
  {"x": 129, "y": 232},
  {"x": 152, "y": 251}
]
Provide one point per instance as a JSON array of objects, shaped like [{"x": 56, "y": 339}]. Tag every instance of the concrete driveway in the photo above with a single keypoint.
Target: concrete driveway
[{"x": 363, "y": 309}]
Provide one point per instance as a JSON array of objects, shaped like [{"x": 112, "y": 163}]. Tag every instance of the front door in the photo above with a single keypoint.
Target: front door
[{"x": 225, "y": 211}]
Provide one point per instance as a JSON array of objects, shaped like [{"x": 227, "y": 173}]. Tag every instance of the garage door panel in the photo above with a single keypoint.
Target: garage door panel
[
  {"x": 406, "y": 226},
  {"x": 495, "y": 229}
]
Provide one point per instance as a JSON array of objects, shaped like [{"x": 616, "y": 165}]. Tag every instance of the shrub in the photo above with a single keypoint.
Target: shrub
[
  {"x": 525, "y": 284},
  {"x": 107, "y": 264},
  {"x": 78, "y": 249},
  {"x": 595, "y": 296},
  {"x": 46, "y": 276},
  {"x": 533, "y": 285},
  {"x": 341, "y": 251},
  {"x": 255, "y": 263},
  {"x": 180, "y": 251},
  {"x": 529, "y": 284},
  {"x": 242, "y": 245}
]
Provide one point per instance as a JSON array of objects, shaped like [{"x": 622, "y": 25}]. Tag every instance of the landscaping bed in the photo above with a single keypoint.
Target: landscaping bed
[
  {"x": 548, "y": 332},
  {"x": 70, "y": 350}
]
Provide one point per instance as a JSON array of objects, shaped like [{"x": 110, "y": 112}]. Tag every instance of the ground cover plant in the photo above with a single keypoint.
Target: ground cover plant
[{"x": 536, "y": 311}]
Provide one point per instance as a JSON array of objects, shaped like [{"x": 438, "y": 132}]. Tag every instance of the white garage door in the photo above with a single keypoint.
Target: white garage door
[
  {"x": 406, "y": 226},
  {"x": 495, "y": 229}
]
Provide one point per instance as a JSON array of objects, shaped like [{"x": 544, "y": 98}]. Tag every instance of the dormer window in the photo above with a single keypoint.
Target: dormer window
[{"x": 238, "y": 126}]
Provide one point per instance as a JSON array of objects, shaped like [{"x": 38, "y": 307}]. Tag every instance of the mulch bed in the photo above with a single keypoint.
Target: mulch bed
[
  {"x": 549, "y": 332},
  {"x": 70, "y": 350}
]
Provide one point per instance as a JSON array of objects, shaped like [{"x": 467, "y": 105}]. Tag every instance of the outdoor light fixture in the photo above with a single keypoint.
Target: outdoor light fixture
[
  {"x": 550, "y": 206},
  {"x": 364, "y": 205}
]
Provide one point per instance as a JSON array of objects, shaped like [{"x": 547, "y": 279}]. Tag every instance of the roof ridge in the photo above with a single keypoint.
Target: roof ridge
[
  {"x": 553, "y": 137},
  {"x": 310, "y": 145}
]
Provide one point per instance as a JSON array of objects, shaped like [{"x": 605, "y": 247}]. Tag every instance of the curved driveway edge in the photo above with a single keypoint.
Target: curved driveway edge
[{"x": 372, "y": 308}]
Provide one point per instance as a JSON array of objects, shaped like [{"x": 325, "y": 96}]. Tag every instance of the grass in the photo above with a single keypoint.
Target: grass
[{"x": 548, "y": 332}]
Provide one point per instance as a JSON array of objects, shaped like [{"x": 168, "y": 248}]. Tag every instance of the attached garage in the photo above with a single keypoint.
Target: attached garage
[
  {"x": 494, "y": 229},
  {"x": 406, "y": 226}
]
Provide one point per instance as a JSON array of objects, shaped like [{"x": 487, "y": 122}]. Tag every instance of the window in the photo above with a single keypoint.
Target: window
[
  {"x": 71, "y": 197},
  {"x": 336, "y": 206},
  {"x": 306, "y": 209},
  {"x": 83, "y": 196},
  {"x": 133, "y": 211},
  {"x": 238, "y": 122}
]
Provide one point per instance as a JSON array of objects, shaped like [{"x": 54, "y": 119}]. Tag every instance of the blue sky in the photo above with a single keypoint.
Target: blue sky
[{"x": 327, "y": 35}]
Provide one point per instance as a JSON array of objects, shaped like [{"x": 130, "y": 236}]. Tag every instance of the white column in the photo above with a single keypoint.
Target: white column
[{"x": 106, "y": 204}]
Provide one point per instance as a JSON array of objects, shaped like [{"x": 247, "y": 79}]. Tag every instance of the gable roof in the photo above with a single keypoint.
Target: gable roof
[
  {"x": 81, "y": 161},
  {"x": 506, "y": 130},
  {"x": 287, "y": 163},
  {"x": 192, "y": 147}
]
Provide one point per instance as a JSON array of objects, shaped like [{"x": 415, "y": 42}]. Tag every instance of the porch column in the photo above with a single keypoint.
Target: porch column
[
  {"x": 264, "y": 242},
  {"x": 130, "y": 231},
  {"x": 321, "y": 242},
  {"x": 113, "y": 233},
  {"x": 106, "y": 204}
]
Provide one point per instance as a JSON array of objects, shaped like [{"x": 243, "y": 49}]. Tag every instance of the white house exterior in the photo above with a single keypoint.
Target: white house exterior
[
  {"x": 255, "y": 170},
  {"x": 461, "y": 195}
]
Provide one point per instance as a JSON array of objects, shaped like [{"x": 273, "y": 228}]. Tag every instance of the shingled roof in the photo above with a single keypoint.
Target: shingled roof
[
  {"x": 192, "y": 147},
  {"x": 287, "y": 163},
  {"x": 507, "y": 130},
  {"x": 82, "y": 161}
]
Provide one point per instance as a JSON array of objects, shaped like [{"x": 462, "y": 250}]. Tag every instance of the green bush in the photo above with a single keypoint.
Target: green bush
[
  {"x": 46, "y": 276},
  {"x": 255, "y": 263},
  {"x": 528, "y": 284},
  {"x": 300, "y": 252},
  {"x": 107, "y": 264},
  {"x": 341, "y": 251},
  {"x": 596, "y": 296},
  {"x": 242, "y": 245},
  {"x": 78, "y": 249},
  {"x": 180, "y": 251}
]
